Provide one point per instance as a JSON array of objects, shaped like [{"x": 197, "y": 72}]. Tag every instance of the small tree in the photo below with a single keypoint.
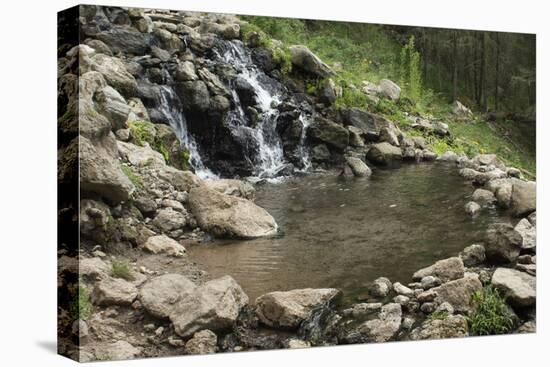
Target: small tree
[{"x": 409, "y": 70}]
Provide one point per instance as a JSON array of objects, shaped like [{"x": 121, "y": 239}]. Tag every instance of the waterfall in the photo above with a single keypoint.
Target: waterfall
[
  {"x": 269, "y": 160},
  {"x": 302, "y": 149},
  {"x": 171, "y": 108}
]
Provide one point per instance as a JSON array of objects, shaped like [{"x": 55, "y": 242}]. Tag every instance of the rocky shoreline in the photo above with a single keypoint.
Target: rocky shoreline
[{"x": 131, "y": 289}]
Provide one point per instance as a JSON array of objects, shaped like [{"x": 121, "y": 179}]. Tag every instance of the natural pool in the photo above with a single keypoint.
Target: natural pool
[{"x": 344, "y": 233}]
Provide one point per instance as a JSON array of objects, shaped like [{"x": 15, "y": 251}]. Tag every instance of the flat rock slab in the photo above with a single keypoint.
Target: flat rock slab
[
  {"x": 458, "y": 293},
  {"x": 446, "y": 270},
  {"x": 517, "y": 287}
]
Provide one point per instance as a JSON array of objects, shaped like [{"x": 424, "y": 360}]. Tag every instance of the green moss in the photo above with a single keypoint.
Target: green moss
[
  {"x": 159, "y": 147},
  {"x": 80, "y": 306},
  {"x": 185, "y": 156},
  {"x": 438, "y": 315},
  {"x": 134, "y": 179},
  {"x": 491, "y": 314},
  {"x": 121, "y": 269},
  {"x": 282, "y": 57},
  {"x": 142, "y": 132},
  {"x": 90, "y": 112}
]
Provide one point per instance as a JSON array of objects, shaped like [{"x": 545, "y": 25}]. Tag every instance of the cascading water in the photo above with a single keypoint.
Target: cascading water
[
  {"x": 170, "y": 107},
  {"x": 270, "y": 159},
  {"x": 302, "y": 149}
]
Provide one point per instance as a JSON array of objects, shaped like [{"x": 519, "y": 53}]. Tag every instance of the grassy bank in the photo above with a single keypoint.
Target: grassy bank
[{"x": 359, "y": 52}]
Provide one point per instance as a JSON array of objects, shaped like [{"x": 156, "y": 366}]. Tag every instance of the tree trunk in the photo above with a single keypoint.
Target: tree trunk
[
  {"x": 455, "y": 66},
  {"x": 497, "y": 70}
]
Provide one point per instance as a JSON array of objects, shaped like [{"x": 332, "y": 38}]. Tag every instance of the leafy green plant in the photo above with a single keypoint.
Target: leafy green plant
[
  {"x": 491, "y": 315},
  {"x": 185, "y": 156},
  {"x": 159, "y": 147},
  {"x": 80, "y": 306},
  {"x": 409, "y": 70},
  {"x": 282, "y": 57},
  {"x": 121, "y": 269},
  {"x": 351, "y": 98}
]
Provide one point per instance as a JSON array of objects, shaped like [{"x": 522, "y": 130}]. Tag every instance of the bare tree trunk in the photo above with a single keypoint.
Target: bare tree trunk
[
  {"x": 455, "y": 66},
  {"x": 497, "y": 70}
]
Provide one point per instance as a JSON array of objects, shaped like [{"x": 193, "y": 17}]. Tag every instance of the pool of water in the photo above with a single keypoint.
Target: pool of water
[{"x": 345, "y": 233}]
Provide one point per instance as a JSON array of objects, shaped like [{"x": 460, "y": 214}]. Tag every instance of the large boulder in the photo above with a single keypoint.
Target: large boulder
[
  {"x": 114, "y": 291},
  {"x": 385, "y": 327},
  {"x": 384, "y": 153},
  {"x": 503, "y": 243},
  {"x": 446, "y": 270},
  {"x": 389, "y": 89},
  {"x": 453, "y": 326},
  {"x": 458, "y": 293},
  {"x": 160, "y": 295},
  {"x": 517, "y": 287},
  {"x": 358, "y": 167},
  {"x": 289, "y": 309},
  {"x": 328, "y": 132},
  {"x": 306, "y": 60},
  {"x": 215, "y": 306},
  {"x": 523, "y": 200},
  {"x": 194, "y": 95},
  {"x": 528, "y": 233},
  {"x": 368, "y": 124},
  {"x": 100, "y": 173},
  {"x": 473, "y": 255},
  {"x": 115, "y": 74},
  {"x": 233, "y": 187},
  {"x": 126, "y": 40},
  {"x": 483, "y": 197},
  {"x": 229, "y": 216}
]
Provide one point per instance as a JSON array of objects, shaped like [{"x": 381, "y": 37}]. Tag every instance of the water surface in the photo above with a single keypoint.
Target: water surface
[{"x": 345, "y": 233}]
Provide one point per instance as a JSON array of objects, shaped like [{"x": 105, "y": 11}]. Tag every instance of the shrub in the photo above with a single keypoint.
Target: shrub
[
  {"x": 491, "y": 314},
  {"x": 121, "y": 269},
  {"x": 351, "y": 98},
  {"x": 409, "y": 70},
  {"x": 80, "y": 306},
  {"x": 282, "y": 57}
]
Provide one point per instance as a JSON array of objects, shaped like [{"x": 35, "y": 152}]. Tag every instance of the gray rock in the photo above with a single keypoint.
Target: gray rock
[
  {"x": 119, "y": 350},
  {"x": 164, "y": 244},
  {"x": 114, "y": 291},
  {"x": 214, "y": 305},
  {"x": 401, "y": 299},
  {"x": 115, "y": 74},
  {"x": 328, "y": 132},
  {"x": 532, "y": 218},
  {"x": 384, "y": 153},
  {"x": 194, "y": 95},
  {"x": 527, "y": 327},
  {"x": 389, "y": 89},
  {"x": 380, "y": 287},
  {"x": 528, "y": 233},
  {"x": 233, "y": 187},
  {"x": 202, "y": 342},
  {"x": 385, "y": 327},
  {"x": 358, "y": 167},
  {"x": 229, "y": 216},
  {"x": 320, "y": 153},
  {"x": 453, "y": 326},
  {"x": 524, "y": 197},
  {"x": 446, "y": 307},
  {"x": 428, "y": 307},
  {"x": 458, "y": 292},
  {"x": 185, "y": 71},
  {"x": 446, "y": 270},
  {"x": 473, "y": 255},
  {"x": 460, "y": 110},
  {"x": 483, "y": 197},
  {"x": 168, "y": 219},
  {"x": 472, "y": 208},
  {"x": 288, "y": 309},
  {"x": 113, "y": 106},
  {"x": 429, "y": 281},
  {"x": 517, "y": 287},
  {"x": 503, "y": 243},
  {"x": 401, "y": 289},
  {"x": 160, "y": 295},
  {"x": 303, "y": 58}
]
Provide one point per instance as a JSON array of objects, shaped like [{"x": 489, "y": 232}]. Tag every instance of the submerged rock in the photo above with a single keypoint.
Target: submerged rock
[
  {"x": 472, "y": 208},
  {"x": 229, "y": 216},
  {"x": 358, "y": 167},
  {"x": 289, "y": 309},
  {"x": 518, "y": 288}
]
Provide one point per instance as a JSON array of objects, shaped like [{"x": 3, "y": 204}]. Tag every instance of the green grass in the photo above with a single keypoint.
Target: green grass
[
  {"x": 121, "y": 269},
  {"x": 438, "y": 315},
  {"x": 134, "y": 179},
  {"x": 80, "y": 306},
  {"x": 491, "y": 314}
]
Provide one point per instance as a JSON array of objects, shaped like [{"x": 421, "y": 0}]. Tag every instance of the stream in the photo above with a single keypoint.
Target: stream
[{"x": 345, "y": 233}]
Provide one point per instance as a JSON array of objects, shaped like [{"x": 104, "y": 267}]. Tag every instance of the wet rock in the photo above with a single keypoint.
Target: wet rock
[
  {"x": 528, "y": 233},
  {"x": 114, "y": 291},
  {"x": 503, "y": 243},
  {"x": 483, "y": 197},
  {"x": 287, "y": 310},
  {"x": 428, "y": 155},
  {"x": 453, "y": 326},
  {"x": 233, "y": 187},
  {"x": 164, "y": 244},
  {"x": 361, "y": 309},
  {"x": 185, "y": 71},
  {"x": 472, "y": 208},
  {"x": 229, "y": 216},
  {"x": 161, "y": 294},
  {"x": 468, "y": 173},
  {"x": 303, "y": 58},
  {"x": 523, "y": 200},
  {"x": 389, "y": 89},
  {"x": 473, "y": 255},
  {"x": 215, "y": 305},
  {"x": 368, "y": 124},
  {"x": 384, "y": 153},
  {"x": 320, "y": 153},
  {"x": 100, "y": 173},
  {"x": 328, "y": 132},
  {"x": 168, "y": 219},
  {"x": 202, "y": 342},
  {"x": 126, "y": 40},
  {"x": 446, "y": 270},
  {"x": 458, "y": 293},
  {"x": 380, "y": 287},
  {"x": 517, "y": 287},
  {"x": 358, "y": 167},
  {"x": 385, "y": 327},
  {"x": 194, "y": 95}
]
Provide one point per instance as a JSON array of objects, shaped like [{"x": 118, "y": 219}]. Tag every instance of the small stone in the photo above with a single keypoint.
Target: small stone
[
  {"x": 446, "y": 307},
  {"x": 401, "y": 289},
  {"x": 159, "y": 331},
  {"x": 427, "y": 307},
  {"x": 473, "y": 255},
  {"x": 298, "y": 343},
  {"x": 472, "y": 208},
  {"x": 401, "y": 299},
  {"x": 202, "y": 342},
  {"x": 429, "y": 282}
]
